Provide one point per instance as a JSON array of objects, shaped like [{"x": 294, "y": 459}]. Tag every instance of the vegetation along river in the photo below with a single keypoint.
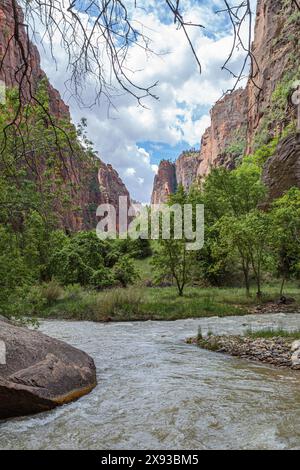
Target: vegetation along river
[{"x": 156, "y": 391}]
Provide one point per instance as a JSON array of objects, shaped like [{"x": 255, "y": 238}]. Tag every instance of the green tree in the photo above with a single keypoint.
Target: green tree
[
  {"x": 124, "y": 271},
  {"x": 285, "y": 213},
  {"x": 228, "y": 197},
  {"x": 172, "y": 260}
]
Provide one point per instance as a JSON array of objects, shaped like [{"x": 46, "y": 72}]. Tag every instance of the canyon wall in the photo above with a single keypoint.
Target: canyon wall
[
  {"x": 186, "y": 168},
  {"x": 276, "y": 49},
  {"x": 90, "y": 181},
  {"x": 225, "y": 140},
  {"x": 164, "y": 182},
  {"x": 250, "y": 117}
]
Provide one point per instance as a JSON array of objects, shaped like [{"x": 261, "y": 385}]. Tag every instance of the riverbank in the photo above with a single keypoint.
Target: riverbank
[
  {"x": 275, "y": 347},
  {"x": 140, "y": 303}
]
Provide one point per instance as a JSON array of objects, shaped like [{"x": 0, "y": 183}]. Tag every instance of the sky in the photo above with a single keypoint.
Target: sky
[{"x": 134, "y": 139}]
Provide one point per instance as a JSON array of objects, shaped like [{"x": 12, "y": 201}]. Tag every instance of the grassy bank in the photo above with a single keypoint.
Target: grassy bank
[
  {"x": 273, "y": 333},
  {"x": 145, "y": 303}
]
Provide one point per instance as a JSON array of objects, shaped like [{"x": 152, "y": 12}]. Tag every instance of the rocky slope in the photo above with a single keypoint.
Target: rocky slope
[
  {"x": 92, "y": 181},
  {"x": 249, "y": 117}
]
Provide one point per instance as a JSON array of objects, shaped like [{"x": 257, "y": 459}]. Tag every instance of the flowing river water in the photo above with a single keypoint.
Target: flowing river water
[{"x": 157, "y": 392}]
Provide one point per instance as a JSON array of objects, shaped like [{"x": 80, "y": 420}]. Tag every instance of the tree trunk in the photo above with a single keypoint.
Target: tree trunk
[
  {"x": 246, "y": 278},
  {"x": 282, "y": 286}
]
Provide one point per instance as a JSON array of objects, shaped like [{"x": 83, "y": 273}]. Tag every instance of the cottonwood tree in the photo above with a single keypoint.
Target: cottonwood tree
[
  {"x": 172, "y": 261},
  {"x": 286, "y": 229},
  {"x": 229, "y": 197}
]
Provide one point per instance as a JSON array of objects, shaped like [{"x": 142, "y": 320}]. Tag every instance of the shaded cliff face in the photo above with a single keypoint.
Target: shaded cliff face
[
  {"x": 240, "y": 116},
  {"x": 88, "y": 181},
  {"x": 282, "y": 171},
  {"x": 164, "y": 182}
]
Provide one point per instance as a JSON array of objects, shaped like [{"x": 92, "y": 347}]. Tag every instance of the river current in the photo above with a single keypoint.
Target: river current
[{"x": 157, "y": 392}]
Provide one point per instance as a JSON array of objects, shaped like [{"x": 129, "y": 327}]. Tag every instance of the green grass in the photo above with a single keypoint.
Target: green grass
[
  {"x": 164, "y": 303},
  {"x": 273, "y": 333},
  {"x": 145, "y": 303},
  {"x": 138, "y": 304}
]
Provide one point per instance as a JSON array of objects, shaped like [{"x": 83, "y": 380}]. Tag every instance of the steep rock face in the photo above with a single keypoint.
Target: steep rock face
[
  {"x": 240, "y": 117},
  {"x": 164, "y": 182},
  {"x": 225, "y": 139},
  {"x": 276, "y": 49},
  {"x": 11, "y": 72},
  {"x": 111, "y": 188},
  {"x": 92, "y": 182},
  {"x": 282, "y": 171},
  {"x": 186, "y": 169}
]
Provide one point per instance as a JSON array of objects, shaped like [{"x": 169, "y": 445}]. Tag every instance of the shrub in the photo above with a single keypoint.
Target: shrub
[
  {"x": 124, "y": 271},
  {"x": 117, "y": 303},
  {"x": 51, "y": 292}
]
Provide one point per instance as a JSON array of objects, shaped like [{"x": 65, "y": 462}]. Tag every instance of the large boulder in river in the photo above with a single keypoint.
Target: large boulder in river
[{"x": 40, "y": 373}]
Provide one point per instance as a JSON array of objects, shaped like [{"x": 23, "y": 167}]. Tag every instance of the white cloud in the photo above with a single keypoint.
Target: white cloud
[{"x": 183, "y": 94}]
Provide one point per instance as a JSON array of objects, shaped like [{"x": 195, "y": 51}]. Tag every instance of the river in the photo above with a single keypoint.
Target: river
[{"x": 157, "y": 392}]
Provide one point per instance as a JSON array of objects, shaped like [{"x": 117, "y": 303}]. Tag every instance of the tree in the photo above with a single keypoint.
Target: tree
[
  {"x": 257, "y": 238},
  {"x": 124, "y": 271},
  {"x": 285, "y": 213},
  {"x": 228, "y": 197},
  {"x": 233, "y": 236},
  {"x": 172, "y": 260}
]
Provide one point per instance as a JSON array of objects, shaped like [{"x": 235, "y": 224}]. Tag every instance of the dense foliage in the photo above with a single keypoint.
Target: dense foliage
[
  {"x": 37, "y": 196},
  {"x": 244, "y": 239}
]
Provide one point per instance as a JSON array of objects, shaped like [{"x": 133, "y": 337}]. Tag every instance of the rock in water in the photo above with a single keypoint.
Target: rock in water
[{"x": 40, "y": 372}]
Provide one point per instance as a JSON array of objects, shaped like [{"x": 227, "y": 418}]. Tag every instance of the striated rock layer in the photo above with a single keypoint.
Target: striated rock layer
[{"x": 92, "y": 182}]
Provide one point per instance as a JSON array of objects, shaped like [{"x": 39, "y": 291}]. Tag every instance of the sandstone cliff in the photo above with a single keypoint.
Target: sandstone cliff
[
  {"x": 12, "y": 70},
  {"x": 186, "y": 168},
  {"x": 276, "y": 49},
  {"x": 164, "y": 182},
  {"x": 88, "y": 181},
  {"x": 250, "y": 117},
  {"x": 225, "y": 140}
]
